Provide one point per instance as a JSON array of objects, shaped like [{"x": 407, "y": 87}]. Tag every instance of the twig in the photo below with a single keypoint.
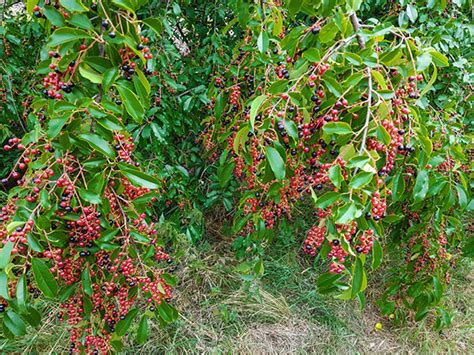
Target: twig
[
  {"x": 262, "y": 6},
  {"x": 356, "y": 26},
  {"x": 369, "y": 103},
  {"x": 360, "y": 40}
]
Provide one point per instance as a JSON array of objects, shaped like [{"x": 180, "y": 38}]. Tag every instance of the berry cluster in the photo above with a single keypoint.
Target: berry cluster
[{"x": 316, "y": 237}]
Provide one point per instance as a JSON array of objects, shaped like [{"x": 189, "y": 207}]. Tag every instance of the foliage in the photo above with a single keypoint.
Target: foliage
[
  {"x": 356, "y": 130},
  {"x": 19, "y": 54},
  {"x": 315, "y": 111}
]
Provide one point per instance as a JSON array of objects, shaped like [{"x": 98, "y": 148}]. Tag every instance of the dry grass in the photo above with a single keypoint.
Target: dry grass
[{"x": 279, "y": 314}]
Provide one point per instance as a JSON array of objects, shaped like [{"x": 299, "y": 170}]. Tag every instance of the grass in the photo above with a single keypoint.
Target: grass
[{"x": 280, "y": 313}]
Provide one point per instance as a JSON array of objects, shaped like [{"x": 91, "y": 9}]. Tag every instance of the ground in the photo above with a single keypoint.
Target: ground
[{"x": 280, "y": 314}]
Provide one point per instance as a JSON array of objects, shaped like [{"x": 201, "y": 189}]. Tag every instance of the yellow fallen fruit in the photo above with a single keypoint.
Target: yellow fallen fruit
[
  {"x": 378, "y": 326},
  {"x": 391, "y": 316}
]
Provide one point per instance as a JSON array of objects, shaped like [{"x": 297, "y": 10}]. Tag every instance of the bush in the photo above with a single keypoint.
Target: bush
[{"x": 312, "y": 116}]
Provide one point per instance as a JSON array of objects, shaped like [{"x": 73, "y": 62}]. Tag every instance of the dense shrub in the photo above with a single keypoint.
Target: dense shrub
[
  {"x": 319, "y": 112},
  {"x": 132, "y": 113}
]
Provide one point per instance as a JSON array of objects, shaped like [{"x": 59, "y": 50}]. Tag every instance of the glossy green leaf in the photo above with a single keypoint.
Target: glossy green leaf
[
  {"x": 66, "y": 34},
  {"x": 73, "y": 5},
  {"x": 335, "y": 175},
  {"x": 14, "y": 323},
  {"x": 21, "y": 293},
  {"x": 361, "y": 179},
  {"x": 5, "y": 255},
  {"x": 142, "y": 333},
  {"x": 337, "y": 128},
  {"x": 123, "y": 325},
  {"x": 44, "y": 278},
  {"x": 154, "y": 23},
  {"x": 138, "y": 177},
  {"x": 132, "y": 104},
  {"x": 421, "y": 186},
  {"x": 377, "y": 254},
  {"x": 98, "y": 143},
  {"x": 86, "y": 282},
  {"x": 4, "y": 291},
  {"x": 276, "y": 162}
]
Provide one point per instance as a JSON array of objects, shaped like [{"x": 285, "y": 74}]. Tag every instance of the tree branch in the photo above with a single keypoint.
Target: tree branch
[
  {"x": 360, "y": 40},
  {"x": 356, "y": 26},
  {"x": 367, "y": 117}
]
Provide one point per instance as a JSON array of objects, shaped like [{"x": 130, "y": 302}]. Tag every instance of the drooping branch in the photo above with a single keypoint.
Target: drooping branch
[{"x": 360, "y": 40}]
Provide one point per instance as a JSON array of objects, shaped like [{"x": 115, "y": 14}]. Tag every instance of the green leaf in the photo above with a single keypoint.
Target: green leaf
[
  {"x": 21, "y": 293},
  {"x": 255, "y": 106},
  {"x": 347, "y": 213},
  {"x": 383, "y": 135},
  {"x": 139, "y": 178},
  {"x": 44, "y": 278},
  {"x": 353, "y": 5},
  {"x": 328, "y": 199},
  {"x": 240, "y": 138},
  {"x": 14, "y": 323},
  {"x": 377, "y": 254},
  {"x": 109, "y": 77},
  {"x": 90, "y": 74},
  {"x": 132, "y": 104},
  {"x": 82, "y": 21},
  {"x": 5, "y": 254},
  {"x": 379, "y": 79},
  {"x": 154, "y": 23},
  {"x": 462, "y": 196},
  {"x": 55, "y": 125},
  {"x": 262, "y": 41},
  {"x": 129, "y": 5},
  {"x": 421, "y": 186},
  {"x": 361, "y": 179},
  {"x": 86, "y": 282},
  {"x": 90, "y": 196},
  {"x": 430, "y": 83},
  {"x": 276, "y": 162},
  {"x": 278, "y": 86},
  {"x": 98, "y": 143},
  {"x": 335, "y": 175},
  {"x": 437, "y": 288},
  {"x": 66, "y": 34},
  {"x": 423, "y": 61},
  {"x": 30, "y": 5},
  {"x": 294, "y": 7},
  {"x": 169, "y": 279},
  {"x": 357, "y": 277},
  {"x": 358, "y": 161},
  {"x": 33, "y": 317},
  {"x": 312, "y": 54},
  {"x": 412, "y": 12},
  {"x": 333, "y": 86},
  {"x": 398, "y": 187},
  {"x": 337, "y": 128},
  {"x": 124, "y": 324},
  {"x": 54, "y": 16},
  {"x": 327, "y": 282},
  {"x": 73, "y": 5},
  {"x": 4, "y": 292},
  {"x": 439, "y": 59},
  {"x": 142, "y": 333},
  {"x": 167, "y": 313},
  {"x": 328, "y": 32}
]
